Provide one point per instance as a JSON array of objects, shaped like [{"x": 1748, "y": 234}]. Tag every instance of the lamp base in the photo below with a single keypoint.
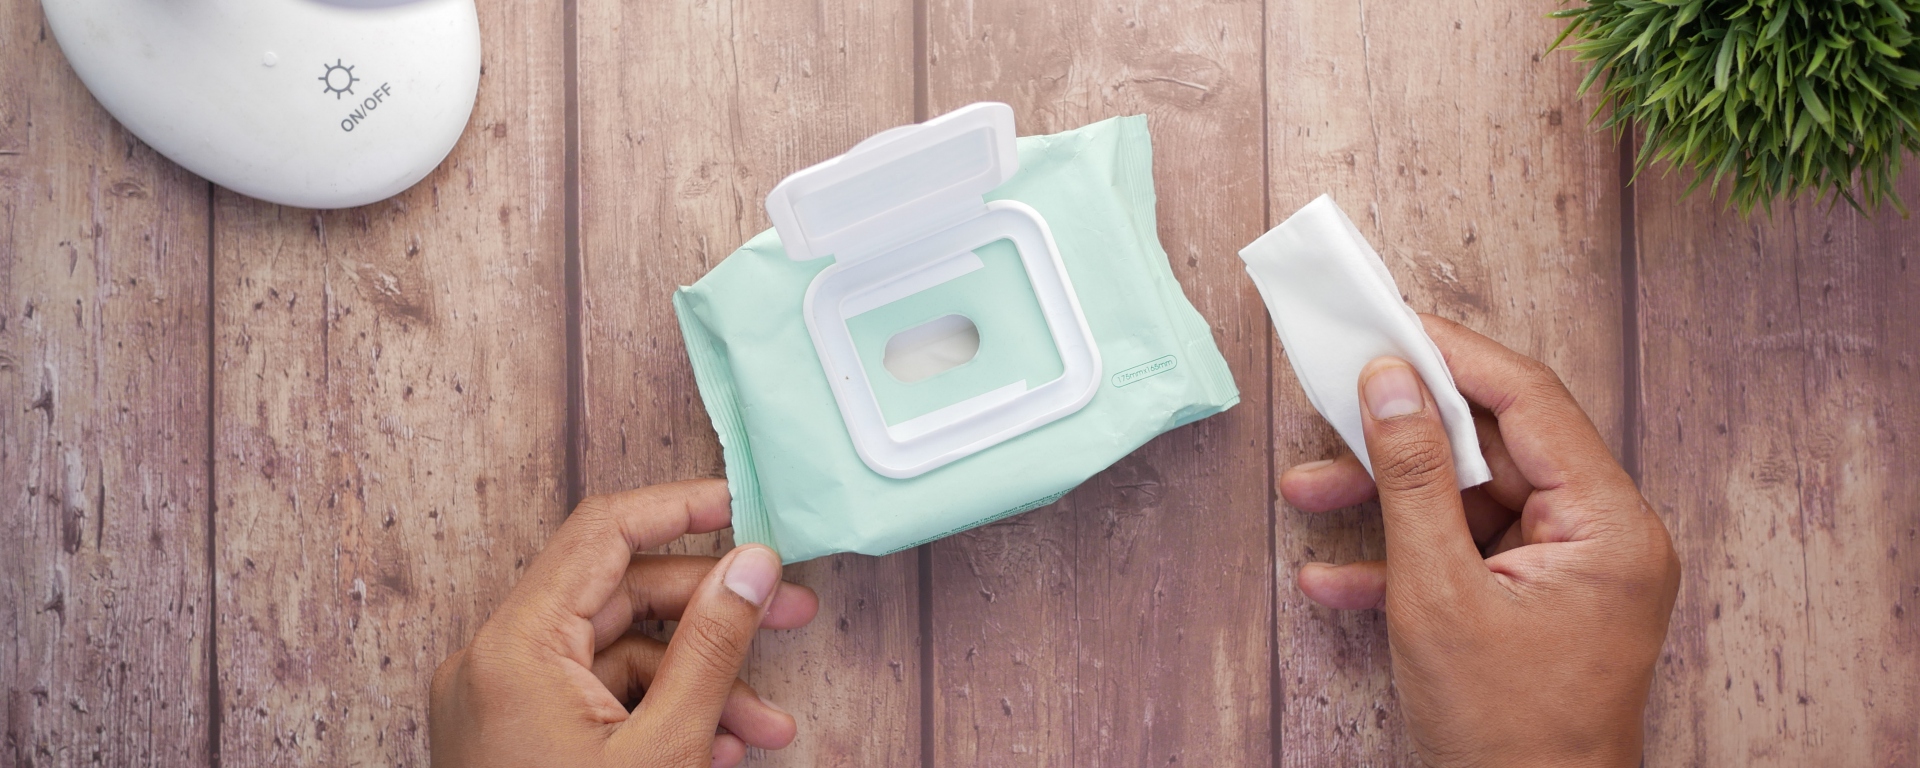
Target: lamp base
[{"x": 290, "y": 101}]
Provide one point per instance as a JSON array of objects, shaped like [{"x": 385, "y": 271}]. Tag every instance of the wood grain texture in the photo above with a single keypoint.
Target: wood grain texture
[
  {"x": 1779, "y": 446},
  {"x": 103, "y": 427},
  {"x": 1458, "y": 148},
  {"x": 361, "y": 417},
  {"x": 1129, "y": 623},
  {"x": 689, "y": 114},
  {"x": 391, "y": 411}
]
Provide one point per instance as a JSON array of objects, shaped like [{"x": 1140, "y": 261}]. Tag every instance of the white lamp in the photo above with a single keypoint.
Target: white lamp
[{"x": 298, "y": 102}]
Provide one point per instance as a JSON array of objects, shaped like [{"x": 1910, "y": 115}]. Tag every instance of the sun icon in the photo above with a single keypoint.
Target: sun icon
[{"x": 339, "y": 79}]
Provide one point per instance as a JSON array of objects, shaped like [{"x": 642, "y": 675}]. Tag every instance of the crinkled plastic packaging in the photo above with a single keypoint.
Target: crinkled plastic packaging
[{"x": 800, "y": 486}]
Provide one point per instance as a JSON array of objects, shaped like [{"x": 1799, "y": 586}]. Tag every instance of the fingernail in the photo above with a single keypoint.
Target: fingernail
[
  {"x": 1312, "y": 465},
  {"x": 753, "y": 574},
  {"x": 1393, "y": 391}
]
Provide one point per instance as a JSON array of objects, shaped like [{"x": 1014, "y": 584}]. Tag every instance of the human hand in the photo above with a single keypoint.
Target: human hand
[
  {"x": 1524, "y": 615},
  {"x": 549, "y": 677}
]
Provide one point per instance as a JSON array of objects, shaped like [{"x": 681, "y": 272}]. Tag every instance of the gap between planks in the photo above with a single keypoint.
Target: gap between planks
[
  {"x": 1276, "y": 703},
  {"x": 574, "y": 266},
  {"x": 923, "y": 554},
  {"x": 214, "y": 704},
  {"x": 1629, "y": 315}
]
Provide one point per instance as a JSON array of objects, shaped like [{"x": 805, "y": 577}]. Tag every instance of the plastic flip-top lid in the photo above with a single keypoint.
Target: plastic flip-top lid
[{"x": 896, "y": 186}]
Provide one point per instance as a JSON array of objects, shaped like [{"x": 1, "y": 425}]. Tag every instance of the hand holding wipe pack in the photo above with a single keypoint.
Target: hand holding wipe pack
[{"x": 996, "y": 323}]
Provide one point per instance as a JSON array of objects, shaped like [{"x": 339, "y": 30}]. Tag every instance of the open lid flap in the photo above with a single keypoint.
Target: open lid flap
[{"x": 906, "y": 181}]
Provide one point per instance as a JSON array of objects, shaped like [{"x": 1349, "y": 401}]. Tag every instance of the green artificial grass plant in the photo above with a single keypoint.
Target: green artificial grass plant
[{"x": 1775, "y": 97}]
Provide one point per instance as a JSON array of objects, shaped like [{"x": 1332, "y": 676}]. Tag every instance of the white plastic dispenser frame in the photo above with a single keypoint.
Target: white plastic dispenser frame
[{"x": 903, "y": 212}]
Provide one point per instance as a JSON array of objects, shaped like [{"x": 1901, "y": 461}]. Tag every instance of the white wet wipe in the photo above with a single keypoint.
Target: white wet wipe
[
  {"x": 932, "y": 348},
  {"x": 1337, "y": 309}
]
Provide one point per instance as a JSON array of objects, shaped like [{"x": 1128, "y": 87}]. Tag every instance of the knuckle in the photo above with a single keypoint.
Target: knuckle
[
  {"x": 1643, "y": 534},
  {"x": 485, "y": 673},
  {"x": 712, "y": 646},
  {"x": 1641, "y": 561},
  {"x": 1536, "y": 372},
  {"x": 681, "y": 742},
  {"x": 1672, "y": 570},
  {"x": 1672, "y": 565},
  {"x": 444, "y": 675},
  {"x": 591, "y": 522},
  {"x": 1413, "y": 462},
  {"x": 498, "y": 657},
  {"x": 594, "y": 514},
  {"x": 1542, "y": 382},
  {"x": 483, "y": 658},
  {"x": 1664, "y": 566},
  {"x": 1532, "y": 382}
]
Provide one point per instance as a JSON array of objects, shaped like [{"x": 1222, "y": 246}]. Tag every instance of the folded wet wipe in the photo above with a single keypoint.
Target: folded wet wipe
[
  {"x": 994, "y": 325},
  {"x": 1337, "y": 308}
]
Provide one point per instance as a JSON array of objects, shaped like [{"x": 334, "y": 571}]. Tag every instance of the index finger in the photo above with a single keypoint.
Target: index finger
[
  {"x": 1546, "y": 433},
  {"x": 587, "y": 558}
]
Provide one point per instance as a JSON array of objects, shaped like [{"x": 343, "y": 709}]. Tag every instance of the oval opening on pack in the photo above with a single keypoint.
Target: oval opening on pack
[{"x": 931, "y": 348}]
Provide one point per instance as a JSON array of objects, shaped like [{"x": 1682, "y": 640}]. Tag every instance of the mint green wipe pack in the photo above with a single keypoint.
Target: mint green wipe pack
[{"x": 798, "y": 483}]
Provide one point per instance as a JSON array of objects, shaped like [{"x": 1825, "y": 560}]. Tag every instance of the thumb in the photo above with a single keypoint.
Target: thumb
[
  {"x": 1428, "y": 543},
  {"x": 681, "y": 709}
]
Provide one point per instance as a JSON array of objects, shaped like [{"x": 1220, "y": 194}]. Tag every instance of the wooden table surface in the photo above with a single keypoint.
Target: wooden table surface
[{"x": 265, "y": 467}]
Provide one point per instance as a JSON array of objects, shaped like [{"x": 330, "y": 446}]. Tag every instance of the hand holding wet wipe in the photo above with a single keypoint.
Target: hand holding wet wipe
[
  {"x": 1337, "y": 308},
  {"x": 959, "y": 328}
]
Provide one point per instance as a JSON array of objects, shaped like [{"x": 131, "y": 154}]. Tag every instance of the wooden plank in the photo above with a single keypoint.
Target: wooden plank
[
  {"x": 1128, "y": 624},
  {"x": 689, "y": 114},
  {"x": 391, "y": 418},
  {"x": 103, "y": 426},
  {"x": 1779, "y": 416},
  {"x": 1459, "y": 149}
]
